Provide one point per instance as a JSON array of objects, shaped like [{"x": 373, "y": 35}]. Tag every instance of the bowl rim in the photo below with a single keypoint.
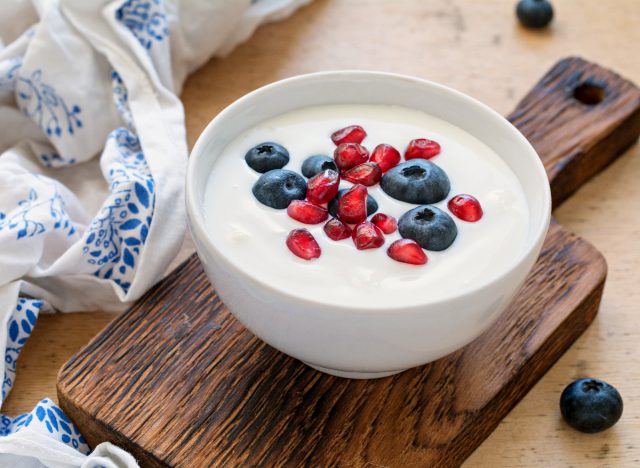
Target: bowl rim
[{"x": 195, "y": 216}]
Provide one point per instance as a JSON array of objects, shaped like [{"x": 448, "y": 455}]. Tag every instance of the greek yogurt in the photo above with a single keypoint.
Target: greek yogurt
[{"x": 252, "y": 236}]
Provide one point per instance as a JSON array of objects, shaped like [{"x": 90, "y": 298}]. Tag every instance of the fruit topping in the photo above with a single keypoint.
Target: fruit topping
[
  {"x": 386, "y": 156},
  {"x": 430, "y": 227},
  {"x": 407, "y": 251},
  {"x": 350, "y": 134},
  {"x": 422, "y": 148},
  {"x": 278, "y": 187},
  {"x": 387, "y": 224},
  {"x": 418, "y": 181},
  {"x": 306, "y": 212},
  {"x": 316, "y": 164},
  {"x": 336, "y": 229},
  {"x": 372, "y": 204},
  {"x": 302, "y": 243},
  {"x": 352, "y": 206},
  {"x": 367, "y": 174},
  {"x": 367, "y": 235},
  {"x": 323, "y": 187},
  {"x": 465, "y": 207},
  {"x": 266, "y": 157},
  {"x": 348, "y": 155}
]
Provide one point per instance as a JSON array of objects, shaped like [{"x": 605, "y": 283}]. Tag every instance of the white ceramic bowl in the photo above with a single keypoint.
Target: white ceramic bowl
[{"x": 347, "y": 341}]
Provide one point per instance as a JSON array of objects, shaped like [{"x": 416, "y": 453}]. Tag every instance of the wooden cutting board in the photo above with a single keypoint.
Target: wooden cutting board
[{"x": 177, "y": 381}]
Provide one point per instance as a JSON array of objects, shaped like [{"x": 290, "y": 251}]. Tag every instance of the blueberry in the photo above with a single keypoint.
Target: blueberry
[
  {"x": 534, "y": 13},
  {"x": 372, "y": 204},
  {"x": 417, "y": 181},
  {"x": 266, "y": 157},
  {"x": 590, "y": 405},
  {"x": 278, "y": 187},
  {"x": 430, "y": 227},
  {"x": 316, "y": 164}
]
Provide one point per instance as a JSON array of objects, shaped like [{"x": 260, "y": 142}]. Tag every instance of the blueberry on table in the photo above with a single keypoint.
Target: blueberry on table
[
  {"x": 416, "y": 181},
  {"x": 590, "y": 405},
  {"x": 534, "y": 13},
  {"x": 277, "y": 188},
  {"x": 316, "y": 164},
  {"x": 372, "y": 204},
  {"x": 430, "y": 227},
  {"x": 266, "y": 157}
]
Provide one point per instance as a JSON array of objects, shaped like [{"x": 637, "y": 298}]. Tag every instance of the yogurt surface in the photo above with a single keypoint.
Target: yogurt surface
[{"x": 252, "y": 236}]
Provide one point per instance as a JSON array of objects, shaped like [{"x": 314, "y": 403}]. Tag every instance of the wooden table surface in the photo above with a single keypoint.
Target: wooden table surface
[{"x": 478, "y": 48}]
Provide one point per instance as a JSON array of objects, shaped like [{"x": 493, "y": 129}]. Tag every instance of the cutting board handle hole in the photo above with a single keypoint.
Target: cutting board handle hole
[{"x": 589, "y": 93}]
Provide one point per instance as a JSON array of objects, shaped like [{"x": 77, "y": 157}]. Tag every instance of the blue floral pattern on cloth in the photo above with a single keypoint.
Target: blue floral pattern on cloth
[
  {"x": 146, "y": 19},
  {"x": 53, "y": 160},
  {"x": 43, "y": 105},
  {"x": 113, "y": 240},
  {"x": 47, "y": 418},
  {"x": 19, "y": 329},
  {"x": 8, "y": 73},
  {"x": 38, "y": 213},
  {"x": 121, "y": 98}
]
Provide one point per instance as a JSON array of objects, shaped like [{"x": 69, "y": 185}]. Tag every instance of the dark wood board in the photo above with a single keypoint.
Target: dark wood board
[{"x": 178, "y": 381}]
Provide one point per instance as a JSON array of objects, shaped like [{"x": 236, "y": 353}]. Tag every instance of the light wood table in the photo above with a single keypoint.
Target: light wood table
[{"x": 478, "y": 48}]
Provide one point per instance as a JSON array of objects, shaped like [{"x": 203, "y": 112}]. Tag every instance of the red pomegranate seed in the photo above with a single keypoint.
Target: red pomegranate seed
[
  {"x": 350, "y": 134},
  {"x": 348, "y": 155},
  {"x": 302, "y": 243},
  {"x": 322, "y": 187},
  {"x": 336, "y": 229},
  {"x": 367, "y": 174},
  {"x": 352, "y": 206},
  {"x": 306, "y": 212},
  {"x": 386, "y": 223},
  {"x": 407, "y": 251},
  {"x": 465, "y": 207},
  {"x": 422, "y": 148},
  {"x": 386, "y": 156},
  {"x": 367, "y": 235}
]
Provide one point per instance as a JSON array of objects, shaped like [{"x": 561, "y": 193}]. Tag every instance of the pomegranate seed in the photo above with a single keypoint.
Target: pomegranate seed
[
  {"x": 407, "y": 251},
  {"x": 386, "y": 156},
  {"x": 302, "y": 243},
  {"x": 306, "y": 212},
  {"x": 323, "y": 187},
  {"x": 336, "y": 229},
  {"x": 352, "y": 206},
  {"x": 367, "y": 235},
  {"x": 348, "y": 155},
  {"x": 386, "y": 223},
  {"x": 422, "y": 148},
  {"x": 465, "y": 207},
  {"x": 350, "y": 134},
  {"x": 367, "y": 174}
]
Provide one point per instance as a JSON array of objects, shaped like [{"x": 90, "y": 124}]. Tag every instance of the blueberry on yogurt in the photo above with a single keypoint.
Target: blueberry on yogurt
[
  {"x": 316, "y": 164},
  {"x": 416, "y": 181},
  {"x": 277, "y": 188},
  {"x": 266, "y": 157},
  {"x": 430, "y": 227}
]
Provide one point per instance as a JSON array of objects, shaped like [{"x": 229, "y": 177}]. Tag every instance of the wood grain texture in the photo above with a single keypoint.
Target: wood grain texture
[
  {"x": 576, "y": 138},
  {"x": 182, "y": 383},
  {"x": 198, "y": 389},
  {"x": 478, "y": 48}
]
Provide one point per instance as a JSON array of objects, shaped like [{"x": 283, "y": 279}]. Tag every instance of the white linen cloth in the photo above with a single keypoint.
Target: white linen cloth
[{"x": 81, "y": 79}]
